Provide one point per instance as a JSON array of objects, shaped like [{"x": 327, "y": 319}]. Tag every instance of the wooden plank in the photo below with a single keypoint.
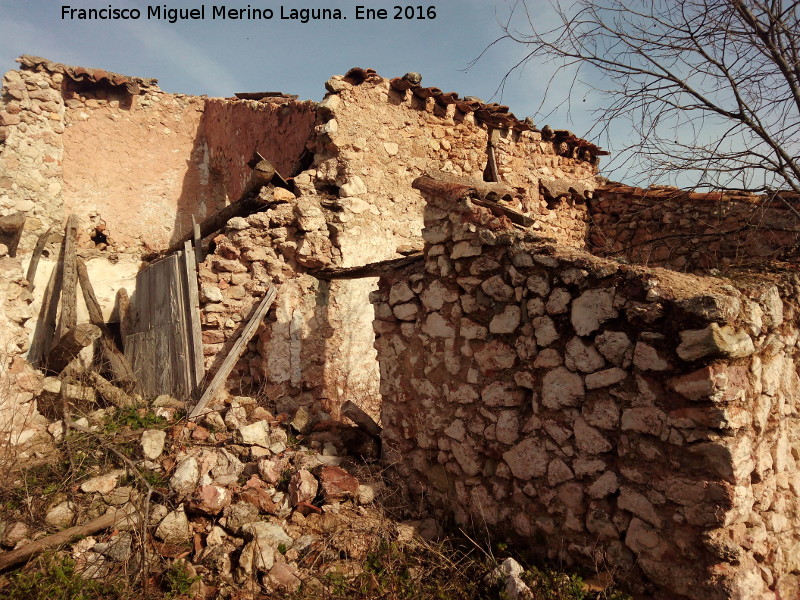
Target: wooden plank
[
  {"x": 141, "y": 353},
  {"x": 48, "y": 313},
  {"x": 37, "y": 254},
  {"x": 375, "y": 269},
  {"x": 124, "y": 314},
  {"x": 181, "y": 347},
  {"x": 193, "y": 310},
  {"x": 72, "y": 342},
  {"x": 233, "y": 356},
  {"x": 69, "y": 298}
]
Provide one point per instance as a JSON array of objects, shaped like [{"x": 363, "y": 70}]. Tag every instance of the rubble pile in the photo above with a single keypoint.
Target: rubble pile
[{"x": 251, "y": 500}]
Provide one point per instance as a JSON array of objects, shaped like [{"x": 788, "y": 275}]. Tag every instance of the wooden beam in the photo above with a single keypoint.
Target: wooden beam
[
  {"x": 233, "y": 356},
  {"x": 360, "y": 418},
  {"x": 46, "y": 324},
  {"x": 106, "y": 521},
  {"x": 181, "y": 359},
  {"x": 69, "y": 298},
  {"x": 197, "y": 242},
  {"x": 37, "y": 254},
  {"x": 375, "y": 269},
  {"x": 492, "y": 164},
  {"x": 117, "y": 363},
  {"x": 500, "y": 210},
  {"x": 110, "y": 393},
  {"x": 68, "y": 346},
  {"x": 11, "y": 227},
  {"x": 248, "y": 204}
]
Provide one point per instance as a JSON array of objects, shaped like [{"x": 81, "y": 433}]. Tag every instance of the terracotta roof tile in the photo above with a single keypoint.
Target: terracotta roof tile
[{"x": 133, "y": 85}]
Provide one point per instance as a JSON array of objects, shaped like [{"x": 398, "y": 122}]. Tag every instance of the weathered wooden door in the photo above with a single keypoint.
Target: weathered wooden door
[{"x": 164, "y": 343}]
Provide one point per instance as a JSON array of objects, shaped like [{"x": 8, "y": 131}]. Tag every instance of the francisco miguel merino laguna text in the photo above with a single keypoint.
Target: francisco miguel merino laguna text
[{"x": 223, "y": 12}]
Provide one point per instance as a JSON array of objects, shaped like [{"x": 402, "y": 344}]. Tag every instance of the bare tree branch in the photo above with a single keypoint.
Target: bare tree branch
[{"x": 709, "y": 88}]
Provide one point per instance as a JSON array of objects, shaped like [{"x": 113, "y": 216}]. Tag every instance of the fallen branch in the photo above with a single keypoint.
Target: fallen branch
[
  {"x": 111, "y": 393},
  {"x": 19, "y": 556}
]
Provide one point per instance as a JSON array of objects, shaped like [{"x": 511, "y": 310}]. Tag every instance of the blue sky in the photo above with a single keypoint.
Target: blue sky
[{"x": 218, "y": 58}]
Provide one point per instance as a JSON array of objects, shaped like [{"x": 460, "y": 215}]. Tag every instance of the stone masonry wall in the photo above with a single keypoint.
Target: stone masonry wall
[
  {"x": 688, "y": 231},
  {"x": 370, "y": 143},
  {"x": 19, "y": 418},
  {"x": 291, "y": 356},
  {"x": 637, "y": 420},
  {"x": 374, "y": 141},
  {"x": 31, "y": 150}
]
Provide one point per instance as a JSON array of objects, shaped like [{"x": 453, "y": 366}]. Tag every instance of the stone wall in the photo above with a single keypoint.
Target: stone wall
[
  {"x": 291, "y": 356},
  {"x": 370, "y": 143},
  {"x": 374, "y": 141},
  {"x": 31, "y": 150},
  {"x": 639, "y": 421},
  {"x": 689, "y": 231},
  {"x": 19, "y": 418}
]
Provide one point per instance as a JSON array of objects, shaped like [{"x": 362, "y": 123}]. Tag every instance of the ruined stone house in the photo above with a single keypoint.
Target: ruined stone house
[{"x": 557, "y": 363}]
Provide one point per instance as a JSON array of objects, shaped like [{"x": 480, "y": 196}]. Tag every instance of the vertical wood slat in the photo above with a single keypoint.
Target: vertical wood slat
[
  {"x": 181, "y": 348},
  {"x": 48, "y": 314},
  {"x": 69, "y": 298},
  {"x": 233, "y": 356},
  {"x": 193, "y": 312},
  {"x": 165, "y": 339}
]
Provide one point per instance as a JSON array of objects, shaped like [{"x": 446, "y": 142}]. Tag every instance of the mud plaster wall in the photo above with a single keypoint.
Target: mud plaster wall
[
  {"x": 138, "y": 165},
  {"x": 636, "y": 420},
  {"x": 233, "y": 130},
  {"x": 688, "y": 231},
  {"x": 134, "y": 168}
]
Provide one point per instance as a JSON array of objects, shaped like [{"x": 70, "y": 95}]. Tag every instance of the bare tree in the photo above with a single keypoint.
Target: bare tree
[{"x": 710, "y": 88}]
